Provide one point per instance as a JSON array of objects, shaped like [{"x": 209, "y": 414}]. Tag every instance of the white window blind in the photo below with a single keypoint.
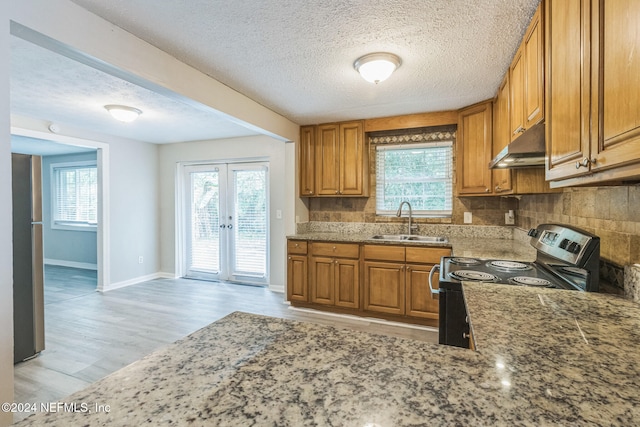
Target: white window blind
[
  {"x": 75, "y": 201},
  {"x": 251, "y": 222},
  {"x": 421, "y": 174}
]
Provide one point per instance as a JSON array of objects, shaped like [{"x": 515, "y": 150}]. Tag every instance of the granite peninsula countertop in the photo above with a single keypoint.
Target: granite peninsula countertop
[
  {"x": 544, "y": 358},
  {"x": 468, "y": 246}
]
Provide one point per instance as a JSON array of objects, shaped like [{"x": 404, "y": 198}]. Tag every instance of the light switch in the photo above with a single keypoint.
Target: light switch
[
  {"x": 468, "y": 217},
  {"x": 278, "y": 214}
]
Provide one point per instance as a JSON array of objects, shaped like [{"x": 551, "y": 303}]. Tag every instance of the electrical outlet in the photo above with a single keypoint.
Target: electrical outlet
[
  {"x": 509, "y": 218},
  {"x": 468, "y": 217},
  {"x": 278, "y": 214},
  {"x": 140, "y": 259}
]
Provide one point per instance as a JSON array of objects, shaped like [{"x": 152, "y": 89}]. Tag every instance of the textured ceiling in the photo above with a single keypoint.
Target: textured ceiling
[
  {"x": 295, "y": 57},
  {"x": 51, "y": 87}
]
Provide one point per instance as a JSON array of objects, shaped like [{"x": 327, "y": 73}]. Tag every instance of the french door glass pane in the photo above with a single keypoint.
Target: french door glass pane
[
  {"x": 250, "y": 230},
  {"x": 205, "y": 221}
]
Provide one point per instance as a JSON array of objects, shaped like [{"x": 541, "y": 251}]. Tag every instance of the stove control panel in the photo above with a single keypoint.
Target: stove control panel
[{"x": 561, "y": 242}]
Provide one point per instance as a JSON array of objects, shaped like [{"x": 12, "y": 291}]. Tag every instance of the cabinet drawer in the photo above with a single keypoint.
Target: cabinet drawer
[
  {"x": 343, "y": 250},
  {"x": 426, "y": 255},
  {"x": 384, "y": 252},
  {"x": 298, "y": 247}
]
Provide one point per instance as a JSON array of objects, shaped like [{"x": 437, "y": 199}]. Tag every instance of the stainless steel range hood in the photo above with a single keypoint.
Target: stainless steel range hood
[{"x": 526, "y": 151}]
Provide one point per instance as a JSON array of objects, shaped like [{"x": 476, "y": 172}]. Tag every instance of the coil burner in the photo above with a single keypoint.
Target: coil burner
[
  {"x": 464, "y": 261},
  {"x": 530, "y": 281},
  {"x": 475, "y": 276},
  {"x": 509, "y": 266}
]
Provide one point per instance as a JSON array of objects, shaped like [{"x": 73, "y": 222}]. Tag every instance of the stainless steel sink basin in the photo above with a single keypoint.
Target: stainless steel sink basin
[{"x": 410, "y": 237}]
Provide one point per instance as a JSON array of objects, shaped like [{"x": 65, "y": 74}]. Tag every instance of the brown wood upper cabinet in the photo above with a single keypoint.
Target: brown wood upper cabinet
[
  {"x": 526, "y": 76},
  {"x": 339, "y": 163},
  {"x": 473, "y": 150},
  {"x": 593, "y": 72},
  {"x": 306, "y": 162}
]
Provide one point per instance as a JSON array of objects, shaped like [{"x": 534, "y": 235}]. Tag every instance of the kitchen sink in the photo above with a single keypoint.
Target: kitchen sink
[{"x": 410, "y": 237}]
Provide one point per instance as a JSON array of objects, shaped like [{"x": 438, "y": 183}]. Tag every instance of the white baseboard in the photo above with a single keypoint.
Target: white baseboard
[
  {"x": 134, "y": 281},
  {"x": 363, "y": 319},
  {"x": 277, "y": 288},
  {"x": 73, "y": 264}
]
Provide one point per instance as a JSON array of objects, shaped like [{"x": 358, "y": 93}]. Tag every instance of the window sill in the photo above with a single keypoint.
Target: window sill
[{"x": 69, "y": 226}]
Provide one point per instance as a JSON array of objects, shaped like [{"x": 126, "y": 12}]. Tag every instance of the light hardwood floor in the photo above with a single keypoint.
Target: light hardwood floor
[{"x": 90, "y": 334}]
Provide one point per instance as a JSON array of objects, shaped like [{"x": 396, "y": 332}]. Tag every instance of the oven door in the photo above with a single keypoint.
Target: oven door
[{"x": 453, "y": 328}]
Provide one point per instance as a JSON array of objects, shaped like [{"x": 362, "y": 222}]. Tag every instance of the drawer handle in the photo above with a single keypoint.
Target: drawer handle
[
  {"x": 465, "y": 335},
  {"x": 431, "y": 273}
]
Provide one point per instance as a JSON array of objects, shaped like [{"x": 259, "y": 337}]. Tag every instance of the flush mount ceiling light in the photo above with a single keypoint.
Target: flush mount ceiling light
[
  {"x": 377, "y": 67},
  {"x": 123, "y": 113}
]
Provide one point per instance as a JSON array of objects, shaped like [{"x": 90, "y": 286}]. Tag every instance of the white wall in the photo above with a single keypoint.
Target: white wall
[
  {"x": 221, "y": 150},
  {"x": 6, "y": 249},
  {"x": 133, "y": 166}
]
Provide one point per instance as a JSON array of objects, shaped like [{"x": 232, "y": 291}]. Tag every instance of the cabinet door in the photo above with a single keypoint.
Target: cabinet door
[
  {"x": 384, "y": 287},
  {"x": 516, "y": 90},
  {"x": 420, "y": 301},
  {"x": 533, "y": 51},
  {"x": 474, "y": 150},
  {"x": 501, "y": 136},
  {"x": 347, "y": 283},
  {"x": 306, "y": 161},
  {"x": 353, "y": 160},
  {"x": 297, "y": 275},
  {"x": 615, "y": 45},
  {"x": 327, "y": 160},
  {"x": 568, "y": 75},
  {"x": 321, "y": 280}
]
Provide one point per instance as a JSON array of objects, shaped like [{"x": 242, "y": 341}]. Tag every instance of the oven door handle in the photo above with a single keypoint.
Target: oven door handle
[{"x": 431, "y": 273}]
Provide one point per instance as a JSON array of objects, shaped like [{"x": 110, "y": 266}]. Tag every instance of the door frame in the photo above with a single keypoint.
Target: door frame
[
  {"x": 181, "y": 211},
  {"x": 104, "y": 224}
]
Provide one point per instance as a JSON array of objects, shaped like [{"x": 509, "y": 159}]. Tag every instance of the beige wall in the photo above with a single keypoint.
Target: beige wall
[{"x": 613, "y": 213}]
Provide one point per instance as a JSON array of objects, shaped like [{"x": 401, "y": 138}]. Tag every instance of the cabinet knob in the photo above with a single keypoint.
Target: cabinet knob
[
  {"x": 336, "y": 191},
  {"x": 486, "y": 190},
  {"x": 297, "y": 245},
  {"x": 334, "y": 248},
  {"x": 465, "y": 335},
  {"x": 289, "y": 257},
  {"x": 585, "y": 162},
  {"x": 520, "y": 129},
  {"x": 498, "y": 188}
]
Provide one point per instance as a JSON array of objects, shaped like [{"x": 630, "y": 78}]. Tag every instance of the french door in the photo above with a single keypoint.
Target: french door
[{"x": 227, "y": 223}]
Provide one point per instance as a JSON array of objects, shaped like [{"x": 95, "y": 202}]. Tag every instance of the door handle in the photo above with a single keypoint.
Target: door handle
[
  {"x": 223, "y": 226},
  {"x": 230, "y": 226},
  {"x": 431, "y": 273}
]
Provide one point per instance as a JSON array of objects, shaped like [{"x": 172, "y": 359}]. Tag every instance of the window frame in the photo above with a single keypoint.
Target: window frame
[
  {"x": 58, "y": 224},
  {"x": 418, "y": 213}
]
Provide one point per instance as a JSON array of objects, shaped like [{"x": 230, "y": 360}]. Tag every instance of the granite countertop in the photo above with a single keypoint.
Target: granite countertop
[
  {"x": 574, "y": 355},
  {"x": 544, "y": 357},
  {"x": 469, "y": 246}
]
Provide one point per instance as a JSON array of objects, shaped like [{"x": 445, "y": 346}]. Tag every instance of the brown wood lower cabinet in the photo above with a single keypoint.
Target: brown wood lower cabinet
[
  {"x": 297, "y": 271},
  {"x": 387, "y": 281},
  {"x": 384, "y": 287},
  {"x": 334, "y": 276}
]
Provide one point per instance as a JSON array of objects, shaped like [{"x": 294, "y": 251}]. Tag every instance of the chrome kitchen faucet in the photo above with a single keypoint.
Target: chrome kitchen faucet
[{"x": 399, "y": 213}]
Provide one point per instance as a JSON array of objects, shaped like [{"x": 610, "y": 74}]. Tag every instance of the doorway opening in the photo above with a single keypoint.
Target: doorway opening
[{"x": 226, "y": 222}]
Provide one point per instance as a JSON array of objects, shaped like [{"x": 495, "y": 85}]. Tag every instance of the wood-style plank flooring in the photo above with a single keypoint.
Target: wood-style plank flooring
[{"x": 90, "y": 334}]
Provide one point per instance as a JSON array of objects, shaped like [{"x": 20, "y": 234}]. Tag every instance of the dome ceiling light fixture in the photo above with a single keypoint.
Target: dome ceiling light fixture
[
  {"x": 123, "y": 113},
  {"x": 377, "y": 67}
]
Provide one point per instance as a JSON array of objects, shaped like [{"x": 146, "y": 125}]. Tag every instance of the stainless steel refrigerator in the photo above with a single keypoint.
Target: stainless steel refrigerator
[{"x": 28, "y": 264}]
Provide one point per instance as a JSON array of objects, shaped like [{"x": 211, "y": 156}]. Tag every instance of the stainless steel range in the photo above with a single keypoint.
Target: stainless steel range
[{"x": 567, "y": 258}]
